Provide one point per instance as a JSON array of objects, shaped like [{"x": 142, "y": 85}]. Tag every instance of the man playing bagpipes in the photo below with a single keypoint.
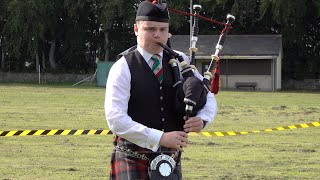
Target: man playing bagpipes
[{"x": 140, "y": 105}]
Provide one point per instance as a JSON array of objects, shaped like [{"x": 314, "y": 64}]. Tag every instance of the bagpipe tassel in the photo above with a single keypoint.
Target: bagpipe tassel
[{"x": 215, "y": 81}]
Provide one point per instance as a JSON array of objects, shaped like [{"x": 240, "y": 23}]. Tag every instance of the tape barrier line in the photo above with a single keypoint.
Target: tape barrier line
[
  {"x": 54, "y": 132},
  {"x": 66, "y": 132}
]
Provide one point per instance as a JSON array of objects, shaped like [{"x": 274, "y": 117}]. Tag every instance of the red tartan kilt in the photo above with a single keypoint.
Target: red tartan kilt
[{"x": 125, "y": 167}]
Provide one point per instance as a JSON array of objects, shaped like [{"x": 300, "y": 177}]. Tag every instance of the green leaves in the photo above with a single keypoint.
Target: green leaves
[{"x": 76, "y": 33}]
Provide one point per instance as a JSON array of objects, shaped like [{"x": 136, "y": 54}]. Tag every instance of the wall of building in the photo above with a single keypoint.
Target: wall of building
[
  {"x": 264, "y": 82},
  {"x": 265, "y": 72}
]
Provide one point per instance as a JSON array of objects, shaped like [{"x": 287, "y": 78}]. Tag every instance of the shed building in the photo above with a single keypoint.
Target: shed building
[{"x": 247, "y": 61}]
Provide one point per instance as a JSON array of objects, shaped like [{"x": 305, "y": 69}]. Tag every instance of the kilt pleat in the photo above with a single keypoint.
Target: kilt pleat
[{"x": 124, "y": 166}]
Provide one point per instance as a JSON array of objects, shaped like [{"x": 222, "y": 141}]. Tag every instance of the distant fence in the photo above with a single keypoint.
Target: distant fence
[
  {"x": 45, "y": 77},
  {"x": 307, "y": 84},
  {"x": 100, "y": 77}
]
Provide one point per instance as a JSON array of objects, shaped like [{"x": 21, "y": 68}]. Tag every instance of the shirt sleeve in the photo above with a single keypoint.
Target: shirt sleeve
[
  {"x": 116, "y": 107},
  {"x": 209, "y": 111}
]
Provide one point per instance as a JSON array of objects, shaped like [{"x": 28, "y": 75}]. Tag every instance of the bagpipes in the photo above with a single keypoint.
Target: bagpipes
[
  {"x": 191, "y": 91},
  {"x": 216, "y": 57}
]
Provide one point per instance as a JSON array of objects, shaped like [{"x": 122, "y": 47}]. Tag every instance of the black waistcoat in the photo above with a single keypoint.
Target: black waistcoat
[{"x": 152, "y": 103}]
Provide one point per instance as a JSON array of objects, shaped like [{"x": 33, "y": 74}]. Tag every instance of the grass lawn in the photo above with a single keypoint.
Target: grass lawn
[{"x": 289, "y": 154}]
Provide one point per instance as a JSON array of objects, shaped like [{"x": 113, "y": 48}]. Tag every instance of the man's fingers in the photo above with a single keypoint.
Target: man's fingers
[
  {"x": 193, "y": 124},
  {"x": 182, "y": 138},
  {"x": 174, "y": 139},
  {"x": 193, "y": 127},
  {"x": 193, "y": 120},
  {"x": 183, "y": 134},
  {"x": 183, "y": 144},
  {"x": 179, "y": 148}
]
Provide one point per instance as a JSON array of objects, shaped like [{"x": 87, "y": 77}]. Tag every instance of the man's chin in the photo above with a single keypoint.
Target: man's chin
[{"x": 156, "y": 50}]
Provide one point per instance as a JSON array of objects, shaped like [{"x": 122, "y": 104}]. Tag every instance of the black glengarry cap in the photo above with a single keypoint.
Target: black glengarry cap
[{"x": 148, "y": 11}]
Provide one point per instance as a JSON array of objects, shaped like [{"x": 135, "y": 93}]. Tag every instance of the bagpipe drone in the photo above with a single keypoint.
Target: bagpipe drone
[{"x": 190, "y": 90}]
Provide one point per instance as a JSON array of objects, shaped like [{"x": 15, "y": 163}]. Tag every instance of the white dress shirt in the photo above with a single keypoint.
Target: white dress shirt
[{"x": 116, "y": 105}]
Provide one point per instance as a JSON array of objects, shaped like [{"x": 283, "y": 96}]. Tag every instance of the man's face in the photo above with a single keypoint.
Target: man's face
[{"x": 149, "y": 33}]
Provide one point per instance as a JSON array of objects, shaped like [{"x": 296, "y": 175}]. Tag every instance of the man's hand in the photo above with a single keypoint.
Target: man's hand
[
  {"x": 174, "y": 139},
  {"x": 193, "y": 124}
]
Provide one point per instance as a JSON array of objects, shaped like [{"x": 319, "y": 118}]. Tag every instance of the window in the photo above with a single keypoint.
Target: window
[{"x": 245, "y": 66}]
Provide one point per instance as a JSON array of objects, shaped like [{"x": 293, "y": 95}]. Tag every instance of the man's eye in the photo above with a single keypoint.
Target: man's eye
[
  {"x": 150, "y": 29},
  {"x": 164, "y": 29}
]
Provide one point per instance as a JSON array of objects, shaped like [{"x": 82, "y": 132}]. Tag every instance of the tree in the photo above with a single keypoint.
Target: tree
[
  {"x": 291, "y": 19},
  {"x": 29, "y": 26},
  {"x": 114, "y": 16},
  {"x": 296, "y": 21},
  {"x": 15, "y": 25},
  {"x": 52, "y": 16},
  {"x": 80, "y": 25},
  {"x": 212, "y": 9},
  {"x": 3, "y": 19},
  {"x": 70, "y": 35}
]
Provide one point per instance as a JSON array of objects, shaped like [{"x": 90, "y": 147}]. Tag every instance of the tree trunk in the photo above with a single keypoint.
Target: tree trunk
[
  {"x": 37, "y": 60},
  {"x": 106, "y": 45},
  {"x": 43, "y": 61},
  {"x": 51, "y": 54},
  {"x": 2, "y": 55}
]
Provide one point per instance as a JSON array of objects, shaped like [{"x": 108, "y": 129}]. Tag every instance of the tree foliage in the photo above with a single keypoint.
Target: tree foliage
[
  {"x": 297, "y": 22},
  {"x": 71, "y": 35}
]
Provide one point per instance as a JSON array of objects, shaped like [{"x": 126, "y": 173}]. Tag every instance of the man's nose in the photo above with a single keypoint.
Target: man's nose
[{"x": 157, "y": 34}]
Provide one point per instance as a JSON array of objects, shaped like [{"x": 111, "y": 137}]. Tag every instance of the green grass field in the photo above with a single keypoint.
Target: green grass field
[{"x": 289, "y": 154}]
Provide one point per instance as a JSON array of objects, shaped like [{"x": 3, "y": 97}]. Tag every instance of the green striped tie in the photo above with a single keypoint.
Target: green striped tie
[{"x": 157, "y": 67}]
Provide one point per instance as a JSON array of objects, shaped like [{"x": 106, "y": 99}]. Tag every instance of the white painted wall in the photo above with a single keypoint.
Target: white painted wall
[{"x": 264, "y": 82}]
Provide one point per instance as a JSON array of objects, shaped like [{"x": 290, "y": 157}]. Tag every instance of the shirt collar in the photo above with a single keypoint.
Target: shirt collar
[{"x": 146, "y": 55}]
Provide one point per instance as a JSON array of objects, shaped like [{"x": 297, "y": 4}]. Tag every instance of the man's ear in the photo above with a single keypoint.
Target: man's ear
[{"x": 135, "y": 28}]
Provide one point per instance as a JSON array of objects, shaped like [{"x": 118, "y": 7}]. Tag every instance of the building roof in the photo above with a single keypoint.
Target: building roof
[{"x": 235, "y": 45}]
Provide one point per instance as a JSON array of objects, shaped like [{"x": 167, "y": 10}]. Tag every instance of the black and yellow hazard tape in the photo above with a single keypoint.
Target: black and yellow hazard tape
[
  {"x": 232, "y": 133},
  {"x": 54, "y": 132},
  {"x": 108, "y": 132}
]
